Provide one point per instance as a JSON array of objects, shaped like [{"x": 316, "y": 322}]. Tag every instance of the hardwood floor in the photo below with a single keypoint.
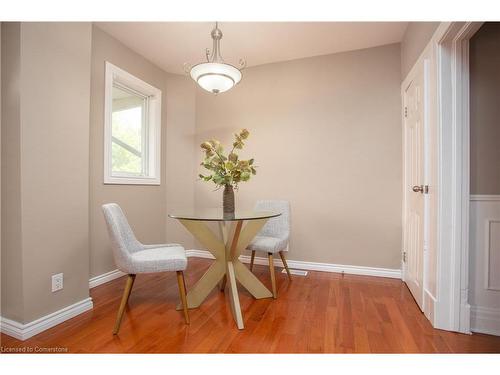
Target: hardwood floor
[{"x": 320, "y": 313}]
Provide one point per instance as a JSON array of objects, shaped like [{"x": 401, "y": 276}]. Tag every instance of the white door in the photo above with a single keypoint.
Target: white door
[{"x": 414, "y": 189}]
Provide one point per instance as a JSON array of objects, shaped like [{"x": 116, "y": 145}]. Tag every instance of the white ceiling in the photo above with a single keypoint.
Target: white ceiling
[{"x": 171, "y": 44}]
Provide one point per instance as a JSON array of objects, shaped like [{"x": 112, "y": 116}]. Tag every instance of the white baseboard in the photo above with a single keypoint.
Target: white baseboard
[
  {"x": 104, "y": 278},
  {"x": 295, "y": 264},
  {"x": 429, "y": 303},
  {"x": 312, "y": 266},
  {"x": 115, "y": 274},
  {"x": 25, "y": 331},
  {"x": 485, "y": 320},
  {"x": 465, "y": 318}
]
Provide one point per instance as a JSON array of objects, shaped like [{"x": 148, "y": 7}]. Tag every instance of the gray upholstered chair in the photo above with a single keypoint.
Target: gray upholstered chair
[
  {"x": 132, "y": 257},
  {"x": 273, "y": 237}
]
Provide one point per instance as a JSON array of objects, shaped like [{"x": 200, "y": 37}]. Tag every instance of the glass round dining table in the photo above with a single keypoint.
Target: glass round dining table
[{"x": 236, "y": 231}]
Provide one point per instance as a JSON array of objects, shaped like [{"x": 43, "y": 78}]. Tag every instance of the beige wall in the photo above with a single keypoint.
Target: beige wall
[
  {"x": 181, "y": 154},
  {"x": 0, "y": 162},
  {"x": 326, "y": 135},
  {"x": 485, "y": 110},
  {"x": 416, "y": 37},
  {"x": 50, "y": 181},
  {"x": 146, "y": 207},
  {"x": 12, "y": 270},
  {"x": 52, "y": 193}
]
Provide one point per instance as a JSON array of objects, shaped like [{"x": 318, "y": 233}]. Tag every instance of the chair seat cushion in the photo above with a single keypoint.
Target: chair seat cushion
[
  {"x": 170, "y": 258},
  {"x": 268, "y": 244}
]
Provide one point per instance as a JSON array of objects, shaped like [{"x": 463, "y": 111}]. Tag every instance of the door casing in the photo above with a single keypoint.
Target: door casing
[{"x": 449, "y": 81}]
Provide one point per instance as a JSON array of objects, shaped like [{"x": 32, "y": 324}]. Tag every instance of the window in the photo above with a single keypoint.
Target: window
[{"x": 132, "y": 133}]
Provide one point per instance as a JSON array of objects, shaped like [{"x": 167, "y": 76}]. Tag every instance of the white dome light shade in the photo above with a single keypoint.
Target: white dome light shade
[{"x": 215, "y": 77}]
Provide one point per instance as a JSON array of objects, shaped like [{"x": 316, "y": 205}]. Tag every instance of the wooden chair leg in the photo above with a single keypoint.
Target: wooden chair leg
[
  {"x": 273, "y": 278},
  {"x": 182, "y": 292},
  {"x": 252, "y": 259},
  {"x": 126, "y": 294},
  {"x": 282, "y": 255}
]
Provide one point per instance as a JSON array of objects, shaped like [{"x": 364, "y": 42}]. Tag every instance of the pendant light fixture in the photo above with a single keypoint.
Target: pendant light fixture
[{"x": 215, "y": 75}]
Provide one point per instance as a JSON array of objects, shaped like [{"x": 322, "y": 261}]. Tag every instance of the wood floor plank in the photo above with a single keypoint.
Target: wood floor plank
[{"x": 320, "y": 313}]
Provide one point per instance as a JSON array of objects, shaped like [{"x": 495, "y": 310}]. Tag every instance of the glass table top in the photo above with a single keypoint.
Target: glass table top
[{"x": 216, "y": 214}]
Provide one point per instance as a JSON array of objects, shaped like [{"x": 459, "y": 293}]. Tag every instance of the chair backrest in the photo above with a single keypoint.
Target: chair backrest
[
  {"x": 123, "y": 241},
  {"x": 278, "y": 227}
]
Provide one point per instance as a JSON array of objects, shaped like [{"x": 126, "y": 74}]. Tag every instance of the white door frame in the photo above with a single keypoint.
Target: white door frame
[
  {"x": 451, "y": 41},
  {"x": 450, "y": 46}
]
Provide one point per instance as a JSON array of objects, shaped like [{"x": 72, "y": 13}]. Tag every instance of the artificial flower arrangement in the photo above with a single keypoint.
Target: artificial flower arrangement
[{"x": 227, "y": 170}]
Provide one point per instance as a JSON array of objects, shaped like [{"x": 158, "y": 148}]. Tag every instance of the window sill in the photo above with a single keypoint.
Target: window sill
[{"x": 131, "y": 181}]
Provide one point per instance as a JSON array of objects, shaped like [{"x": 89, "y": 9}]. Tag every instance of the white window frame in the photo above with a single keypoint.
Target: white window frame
[{"x": 153, "y": 127}]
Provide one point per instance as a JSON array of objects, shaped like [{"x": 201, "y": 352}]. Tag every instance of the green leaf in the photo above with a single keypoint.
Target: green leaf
[
  {"x": 233, "y": 157},
  {"x": 245, "y": 176},
  {"x": 226, "y": 169},
  {"x": 218, "y": 179}
]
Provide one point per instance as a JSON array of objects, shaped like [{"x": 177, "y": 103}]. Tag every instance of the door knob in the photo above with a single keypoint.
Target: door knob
[
  {"x": 424, "y": 189},
  {"x": 418, "y": 188}
]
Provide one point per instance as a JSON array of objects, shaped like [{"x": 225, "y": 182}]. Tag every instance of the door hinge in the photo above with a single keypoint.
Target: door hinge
[
  {"x": 406, "y": 112},
  {"x": 404, "y": 256}
]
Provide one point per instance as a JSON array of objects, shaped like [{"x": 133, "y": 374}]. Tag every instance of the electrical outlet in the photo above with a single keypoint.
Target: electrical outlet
[{"x": 57, "y": 282}]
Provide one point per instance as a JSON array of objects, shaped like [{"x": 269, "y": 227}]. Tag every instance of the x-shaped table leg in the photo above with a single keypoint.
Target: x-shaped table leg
[{"x": 235, "y": 238}]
